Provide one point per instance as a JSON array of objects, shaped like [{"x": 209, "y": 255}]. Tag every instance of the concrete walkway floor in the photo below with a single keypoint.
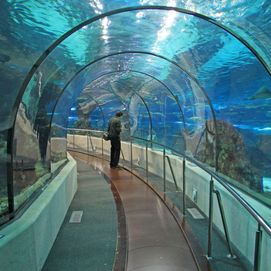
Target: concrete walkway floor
[
  {"x": 155, "y": 240},
  {"x": 87, "y": 239}
]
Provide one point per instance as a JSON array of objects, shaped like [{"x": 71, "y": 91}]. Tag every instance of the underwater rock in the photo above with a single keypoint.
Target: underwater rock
[
  {"x": 26, "y": 141},
  {"x": 4, "y": 58},
  {"x": 232, "y": 159},
  {"x": 262, "y": 93},
  {"x": 264, "y": 144}
]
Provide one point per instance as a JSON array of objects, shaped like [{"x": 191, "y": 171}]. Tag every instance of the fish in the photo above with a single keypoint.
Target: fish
[
  {"x": 4, "y": 58},
  {"x": 262, "y": 93},
  {"x": 195, "y": 118}
]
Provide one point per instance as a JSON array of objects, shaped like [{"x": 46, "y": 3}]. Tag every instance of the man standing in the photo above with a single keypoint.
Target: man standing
[{"x": 114, "y": 129}]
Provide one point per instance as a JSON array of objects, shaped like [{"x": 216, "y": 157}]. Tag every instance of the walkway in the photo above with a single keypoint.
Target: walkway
[
  {"x": 87, "y": 239},
  {"x": 155, "y": 241}
]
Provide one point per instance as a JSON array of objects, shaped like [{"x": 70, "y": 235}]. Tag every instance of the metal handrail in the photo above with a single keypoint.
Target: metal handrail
[
  {"x": 83, "y": 130},
  {"x": 222, "y": 181},
  {"x": 214, "y": 175}
]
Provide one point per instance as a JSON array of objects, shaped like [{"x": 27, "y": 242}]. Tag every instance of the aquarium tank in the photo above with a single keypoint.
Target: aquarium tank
[{"x": 191, "y": 75}]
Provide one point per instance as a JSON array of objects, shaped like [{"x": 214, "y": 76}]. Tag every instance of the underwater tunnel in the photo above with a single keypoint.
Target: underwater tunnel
[{"x": 192, "y": 79}]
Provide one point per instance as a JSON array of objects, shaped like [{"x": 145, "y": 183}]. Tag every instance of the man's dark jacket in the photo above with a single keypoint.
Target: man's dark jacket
[{"x": 114, "y": 127}]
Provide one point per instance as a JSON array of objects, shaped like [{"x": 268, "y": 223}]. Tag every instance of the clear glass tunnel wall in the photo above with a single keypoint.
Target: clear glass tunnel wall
[{"x": 188, "y": 77}]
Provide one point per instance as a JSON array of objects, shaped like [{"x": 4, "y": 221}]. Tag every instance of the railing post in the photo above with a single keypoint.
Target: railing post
[
  {"x": 22, "y": 169},
  {"x": 122, "y": 155},
  {"x": 257, "y": 251},
  {"x": 172, "y": 173},
  {"x": 102, "y": 147},
  {"x": 91, "y": 143},
  {"x": 184, "y": 186},
  {"x": 131, "y": 153},
  {"x": 224, "y": 222},
  {"x": 67, "y": 142},
  {"x": 147, "y": 163},
  {"x": 210, "y": 228},
  {"x": 73, "y": 143},
  {"x": 164, "y": 169},
  {"x": 87, "y": 143}
]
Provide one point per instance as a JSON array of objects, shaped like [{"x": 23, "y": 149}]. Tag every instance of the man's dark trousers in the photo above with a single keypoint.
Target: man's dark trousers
[{"x": 115, "y": 151}]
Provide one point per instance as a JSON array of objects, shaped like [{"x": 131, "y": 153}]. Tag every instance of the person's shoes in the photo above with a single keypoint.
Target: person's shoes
[{"x": 118, "y": 167}]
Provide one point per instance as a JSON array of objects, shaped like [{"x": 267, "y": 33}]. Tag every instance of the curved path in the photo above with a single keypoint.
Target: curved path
[{"x": 155, "y": 241}]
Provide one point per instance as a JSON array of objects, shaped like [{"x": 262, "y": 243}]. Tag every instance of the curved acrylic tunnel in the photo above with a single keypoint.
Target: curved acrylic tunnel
[
  {"x": 172, "y": 118},
  {"x": 221, "y": 87},
  {"x": 123, "y": 73},
  {"x": 181, "y": 83}
]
